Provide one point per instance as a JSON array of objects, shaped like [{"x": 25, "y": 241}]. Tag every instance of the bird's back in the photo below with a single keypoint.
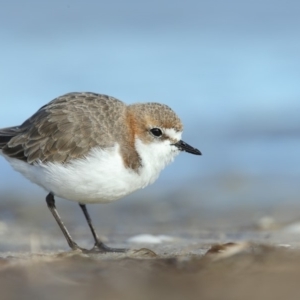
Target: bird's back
[{"x": 64, "y": 129}]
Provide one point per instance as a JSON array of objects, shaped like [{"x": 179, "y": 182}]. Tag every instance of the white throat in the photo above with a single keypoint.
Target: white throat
[{"x": 155, "y": 157}]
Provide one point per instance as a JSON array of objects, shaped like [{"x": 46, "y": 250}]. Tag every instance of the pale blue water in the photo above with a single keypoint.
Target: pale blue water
[{"x": 230, "y": 69}]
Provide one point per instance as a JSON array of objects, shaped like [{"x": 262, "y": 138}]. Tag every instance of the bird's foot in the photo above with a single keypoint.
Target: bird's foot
[{"x": 100, "y": 247}]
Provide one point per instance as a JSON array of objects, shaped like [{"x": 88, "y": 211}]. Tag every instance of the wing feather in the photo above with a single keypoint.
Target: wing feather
[{"x": 64, "y": 129}]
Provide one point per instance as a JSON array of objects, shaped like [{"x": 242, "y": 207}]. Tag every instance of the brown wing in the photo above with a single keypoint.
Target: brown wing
[{"x": 66, "y": 128}]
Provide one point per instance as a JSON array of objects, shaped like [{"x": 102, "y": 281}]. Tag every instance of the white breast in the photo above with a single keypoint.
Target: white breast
[{"x": 101, "y": 176}]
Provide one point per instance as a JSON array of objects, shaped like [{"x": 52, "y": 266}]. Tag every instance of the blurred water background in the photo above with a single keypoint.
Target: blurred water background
[{"x": 230, "y": 69}]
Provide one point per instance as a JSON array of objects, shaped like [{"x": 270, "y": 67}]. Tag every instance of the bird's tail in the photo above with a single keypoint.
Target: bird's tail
[{"x": 6, "y": 134}]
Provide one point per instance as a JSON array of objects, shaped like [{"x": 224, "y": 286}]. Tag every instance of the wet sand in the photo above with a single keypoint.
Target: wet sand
[
  {"x": 262, "y": 273},
  {"x": 250, "y": 253},
  {"x": 181, "y": 269}
]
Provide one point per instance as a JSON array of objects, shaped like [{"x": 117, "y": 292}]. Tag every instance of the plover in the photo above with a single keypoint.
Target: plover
[{"x": 93, "y": 148}]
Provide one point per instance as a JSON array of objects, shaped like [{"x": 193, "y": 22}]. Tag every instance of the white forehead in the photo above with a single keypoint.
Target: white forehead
[{"x": 173, "y": 134}]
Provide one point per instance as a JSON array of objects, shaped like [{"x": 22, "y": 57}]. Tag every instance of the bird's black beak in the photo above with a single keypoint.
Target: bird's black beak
[{"x": 182, "y": 146}]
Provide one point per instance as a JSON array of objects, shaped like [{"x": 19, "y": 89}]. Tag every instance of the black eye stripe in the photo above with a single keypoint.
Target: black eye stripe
[{"x": 156, "y": 132}]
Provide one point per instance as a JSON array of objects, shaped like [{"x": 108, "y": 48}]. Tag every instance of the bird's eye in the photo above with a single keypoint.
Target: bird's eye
[{"x": 156, "y": 132}]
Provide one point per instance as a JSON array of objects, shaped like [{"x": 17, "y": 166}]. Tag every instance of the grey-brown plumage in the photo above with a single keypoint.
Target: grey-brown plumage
[
  {"x": 69, "y": 126},
  {"x": 66, "y": 128}
]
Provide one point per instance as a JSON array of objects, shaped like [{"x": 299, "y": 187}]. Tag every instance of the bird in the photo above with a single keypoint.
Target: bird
[{"x": 93, "y": 148}]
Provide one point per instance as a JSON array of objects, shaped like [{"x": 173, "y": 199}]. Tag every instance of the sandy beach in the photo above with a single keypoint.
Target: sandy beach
[{"x": 224, "y": 256}]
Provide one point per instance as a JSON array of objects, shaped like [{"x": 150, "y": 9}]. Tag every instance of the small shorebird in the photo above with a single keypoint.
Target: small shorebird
[{"x": 93, "y": 148}]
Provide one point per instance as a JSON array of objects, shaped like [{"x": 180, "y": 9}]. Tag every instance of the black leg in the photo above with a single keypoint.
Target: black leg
[
  {"x": 51, "y": 205},
  {"x": 99, "y": 246}
]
